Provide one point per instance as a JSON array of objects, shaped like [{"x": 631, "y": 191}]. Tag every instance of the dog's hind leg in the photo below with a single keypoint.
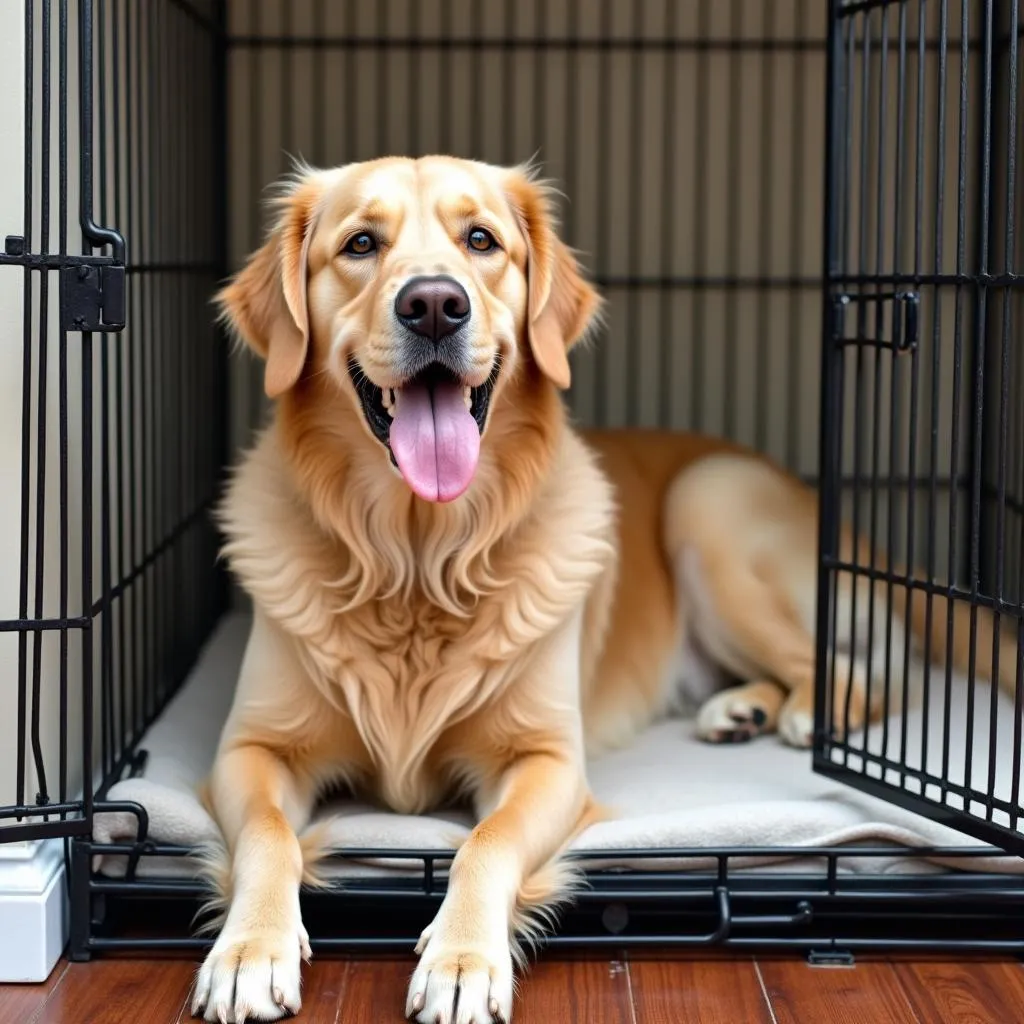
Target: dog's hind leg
[{"x": 748, "y": 624}]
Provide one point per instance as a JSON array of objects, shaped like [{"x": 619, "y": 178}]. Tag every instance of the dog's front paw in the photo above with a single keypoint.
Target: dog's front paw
[
  {"x": 251, "y": 976},
  {"x": 460, "y": 982}
]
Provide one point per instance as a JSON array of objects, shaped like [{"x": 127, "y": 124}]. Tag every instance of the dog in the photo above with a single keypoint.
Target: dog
[{"x": 457, "y": 594}]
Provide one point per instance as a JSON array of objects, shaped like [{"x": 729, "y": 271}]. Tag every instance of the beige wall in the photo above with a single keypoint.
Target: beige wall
[{"x": 12, "y": 128}]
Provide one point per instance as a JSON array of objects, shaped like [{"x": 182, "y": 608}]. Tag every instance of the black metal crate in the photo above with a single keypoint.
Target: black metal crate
[
  {"x": 706, "y": 150},
  {"x": 922, "y": 439},
  {"x": 118, "y": 580}
]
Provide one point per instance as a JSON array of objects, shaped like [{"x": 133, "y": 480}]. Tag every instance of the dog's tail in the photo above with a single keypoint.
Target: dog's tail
[{"x": 945, "y": 628}]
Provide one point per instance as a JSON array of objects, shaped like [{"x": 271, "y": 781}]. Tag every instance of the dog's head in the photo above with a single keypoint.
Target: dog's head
[{"x": 422, "y": 289}]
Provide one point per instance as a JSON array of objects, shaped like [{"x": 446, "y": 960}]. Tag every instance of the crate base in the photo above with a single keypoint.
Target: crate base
[{"x": 824, "y": 916}]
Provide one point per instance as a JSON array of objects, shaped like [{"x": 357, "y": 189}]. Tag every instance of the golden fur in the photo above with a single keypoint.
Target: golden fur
[{"x": 417, "y": 651}]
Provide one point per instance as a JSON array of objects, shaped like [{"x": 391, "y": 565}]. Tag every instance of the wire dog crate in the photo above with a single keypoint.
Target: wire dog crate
[{"x": 706, "y": 150}]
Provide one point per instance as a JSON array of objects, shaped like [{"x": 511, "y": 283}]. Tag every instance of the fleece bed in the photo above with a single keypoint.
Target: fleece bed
[{"x": 668, "y": 791}]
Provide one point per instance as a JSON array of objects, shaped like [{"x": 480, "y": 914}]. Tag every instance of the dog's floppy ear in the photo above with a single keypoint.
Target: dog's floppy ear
[
  {"x": 266, "y": 301},
  {"x": 561, "y": 304}
]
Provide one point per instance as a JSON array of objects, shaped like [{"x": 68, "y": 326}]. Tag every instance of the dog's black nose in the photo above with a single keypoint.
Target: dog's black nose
[{"x": 433, "y": 307}]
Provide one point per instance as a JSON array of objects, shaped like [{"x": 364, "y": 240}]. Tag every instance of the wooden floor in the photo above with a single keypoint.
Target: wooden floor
[{"x": 633, "y": 990}]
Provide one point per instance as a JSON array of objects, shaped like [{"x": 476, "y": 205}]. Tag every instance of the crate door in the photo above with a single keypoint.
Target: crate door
[{"x": 922, "y": 454}]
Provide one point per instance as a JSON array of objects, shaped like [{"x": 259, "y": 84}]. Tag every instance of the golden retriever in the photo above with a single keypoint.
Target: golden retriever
[{"x": 455, "y": 593}]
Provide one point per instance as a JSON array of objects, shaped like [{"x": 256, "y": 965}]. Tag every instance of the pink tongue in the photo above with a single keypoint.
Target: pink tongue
[{"x": 435, "y": 440}]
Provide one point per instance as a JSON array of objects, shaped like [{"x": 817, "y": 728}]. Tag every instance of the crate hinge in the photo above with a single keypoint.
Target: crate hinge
[{"x": 92, "y": 288}]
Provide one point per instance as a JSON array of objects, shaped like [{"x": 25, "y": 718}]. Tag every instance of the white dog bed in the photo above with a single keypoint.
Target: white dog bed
[{"x": 668, "y": 789}]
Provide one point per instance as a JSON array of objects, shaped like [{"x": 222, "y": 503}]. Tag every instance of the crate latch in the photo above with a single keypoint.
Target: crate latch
[{"x": 880, "y": 320}]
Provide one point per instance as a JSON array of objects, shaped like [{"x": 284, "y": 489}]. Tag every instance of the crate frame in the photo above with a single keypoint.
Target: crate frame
[{"x": 813, "y": 908}]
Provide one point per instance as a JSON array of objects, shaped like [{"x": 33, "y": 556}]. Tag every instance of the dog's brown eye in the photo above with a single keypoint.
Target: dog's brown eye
[
  {"x": 481, "y": 240},
  {"x": 360, "y": 245}
]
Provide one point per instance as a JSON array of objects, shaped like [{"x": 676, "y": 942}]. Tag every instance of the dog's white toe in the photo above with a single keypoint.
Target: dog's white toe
[
  {"x": 453, "y": 985},
  {"x": 254, "y": 977}
]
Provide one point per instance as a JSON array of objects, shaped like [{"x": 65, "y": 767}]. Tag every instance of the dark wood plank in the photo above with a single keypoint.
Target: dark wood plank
[
  {"x": 375, "y": 991},
  {"x": 120, "y": 992},
  {"x": 708, "y": 992},
  {"x": 324, "y": 985},
  {"x": 575, "y": 992},
  {"x": 972, "y": 993},
  {"x": 22, "y": 1002},
  {"x": 569, "y": 992},
  {"x": 801, "y": 994}
]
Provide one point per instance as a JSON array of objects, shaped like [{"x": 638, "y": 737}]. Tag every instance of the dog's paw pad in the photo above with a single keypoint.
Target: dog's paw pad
[{"x": 729, "y": 718}]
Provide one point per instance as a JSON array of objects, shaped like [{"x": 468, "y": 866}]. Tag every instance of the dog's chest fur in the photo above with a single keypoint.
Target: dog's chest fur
[
  {"x": 409, "y": 673},
  {"x": 411, "y": 639}
]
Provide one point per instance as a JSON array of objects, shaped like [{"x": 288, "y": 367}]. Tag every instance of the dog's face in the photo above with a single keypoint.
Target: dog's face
[{"x": 422, "y": 288}]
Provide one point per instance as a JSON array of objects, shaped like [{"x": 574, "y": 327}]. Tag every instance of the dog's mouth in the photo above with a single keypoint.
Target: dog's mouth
[{"x": 431, "y": 426}]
